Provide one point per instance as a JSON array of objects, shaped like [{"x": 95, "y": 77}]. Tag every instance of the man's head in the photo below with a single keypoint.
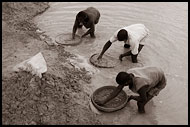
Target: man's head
[
  {"x": 82, "y": 17},
  {"x": 123, "y": 78},
  {"x": 122, "y": 35}
]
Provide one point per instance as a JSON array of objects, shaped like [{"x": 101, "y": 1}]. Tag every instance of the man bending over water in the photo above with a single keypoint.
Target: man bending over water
[
  {"x": 145, "y": 81},
  {"x": 133, "y": 37},
  {"x": 88, "y": 17}
]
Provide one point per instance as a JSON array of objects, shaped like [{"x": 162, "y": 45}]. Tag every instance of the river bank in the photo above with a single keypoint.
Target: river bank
[{"x": 60, "y": 96}]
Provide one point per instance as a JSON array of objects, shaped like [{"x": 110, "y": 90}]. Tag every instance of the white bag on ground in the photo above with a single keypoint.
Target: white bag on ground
[{"x": 36, "y": 65}]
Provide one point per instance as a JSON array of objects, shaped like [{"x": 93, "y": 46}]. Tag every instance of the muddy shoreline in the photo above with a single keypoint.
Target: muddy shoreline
[{"x": 59, "y": 97}]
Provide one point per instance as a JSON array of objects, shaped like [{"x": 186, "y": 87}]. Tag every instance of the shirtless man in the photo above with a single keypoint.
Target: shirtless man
[
  {"x": 88, "y": 18},
  {"x": 145, "y": 81}
]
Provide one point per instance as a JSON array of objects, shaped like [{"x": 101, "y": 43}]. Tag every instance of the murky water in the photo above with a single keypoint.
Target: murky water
[{"x": 167, "y": 47}]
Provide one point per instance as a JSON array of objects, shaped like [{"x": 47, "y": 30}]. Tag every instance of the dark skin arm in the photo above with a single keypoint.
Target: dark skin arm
[
  {"x": 91, "y": 30},
  {"x": 106, "y": 46},
  {"x": 112, "y": 95},
  {"x": 75, "y": 28},
  {"x": 130, "y": 53},
  {"x": 142, "y": 94}
]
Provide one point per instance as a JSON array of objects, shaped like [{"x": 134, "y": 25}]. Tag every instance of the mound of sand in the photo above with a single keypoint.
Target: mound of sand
[{"x": 59, "y": 96}]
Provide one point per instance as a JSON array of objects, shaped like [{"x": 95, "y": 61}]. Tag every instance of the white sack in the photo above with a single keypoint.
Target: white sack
[{"x": 36, "y": 65}]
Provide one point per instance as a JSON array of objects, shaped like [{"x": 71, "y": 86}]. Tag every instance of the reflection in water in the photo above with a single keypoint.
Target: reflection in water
[{"x": 166, "y": 48}]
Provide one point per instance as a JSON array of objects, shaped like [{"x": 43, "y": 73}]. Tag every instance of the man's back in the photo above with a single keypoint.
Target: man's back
[
  {"x": 146, "y": 76},
  {"x": 137, "y": 31}
]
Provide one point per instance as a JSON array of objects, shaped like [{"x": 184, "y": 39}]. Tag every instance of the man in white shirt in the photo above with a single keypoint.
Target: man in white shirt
[{"x": 133, "y": 37}]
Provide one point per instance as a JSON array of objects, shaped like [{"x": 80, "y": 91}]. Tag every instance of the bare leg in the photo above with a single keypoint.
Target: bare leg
[
  {"x": 140, "y": 47},
  {"x": 142, "y": 104},
  {"x": 134, "y": 57},
  {"x": 92, "y": 34}
]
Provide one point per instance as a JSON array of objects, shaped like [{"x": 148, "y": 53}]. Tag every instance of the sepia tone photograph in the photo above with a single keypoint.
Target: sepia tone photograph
[{"x": 95, "y": 63}]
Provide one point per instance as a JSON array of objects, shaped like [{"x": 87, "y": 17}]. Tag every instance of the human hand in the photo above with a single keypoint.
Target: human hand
[
  {"x": 99, "y": 57},
  {"x": 120, "y": 57}
]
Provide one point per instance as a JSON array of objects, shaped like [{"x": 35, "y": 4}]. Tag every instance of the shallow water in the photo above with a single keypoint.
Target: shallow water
[{"x": 167, "y": 47}]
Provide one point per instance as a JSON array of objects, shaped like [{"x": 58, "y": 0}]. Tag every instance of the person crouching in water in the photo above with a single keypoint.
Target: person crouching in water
[
  {"x": 88, "y": 18},
  {"x": 133, "y": 37},
  {"x": 145, "y": 81}
]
